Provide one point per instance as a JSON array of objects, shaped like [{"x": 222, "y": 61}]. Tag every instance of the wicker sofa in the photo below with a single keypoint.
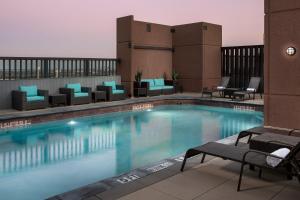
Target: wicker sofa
[
  {"x": 113, "y": 91},
  {"x": 158, "y": 86},
  {"x": 29, "y": 98},
  {"x": 76, "y": 94}
]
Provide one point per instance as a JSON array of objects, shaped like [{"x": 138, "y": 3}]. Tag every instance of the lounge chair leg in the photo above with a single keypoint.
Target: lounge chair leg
[
  {"x": 183, "y": 163},
  {"x": 240, "y": 178},
  {"x": 203, "y": 158},
  {"x": 250, "y": 136},
  {"x": 237, "y": 141},
  {"x": 260, "y": 173}
]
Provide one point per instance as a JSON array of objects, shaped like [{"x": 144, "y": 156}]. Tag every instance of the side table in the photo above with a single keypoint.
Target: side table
[
  {"x": 99, "y": 96},
  {"x": 58, "y": 99}
]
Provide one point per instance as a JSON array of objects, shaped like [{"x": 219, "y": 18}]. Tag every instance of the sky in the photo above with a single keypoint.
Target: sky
[{"x": 87, "y": 28}]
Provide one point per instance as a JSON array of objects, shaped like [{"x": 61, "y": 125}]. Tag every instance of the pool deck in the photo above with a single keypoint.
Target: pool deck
[
  {"x": 10, "y": 114},
  {"x": 215, "y": 179}
]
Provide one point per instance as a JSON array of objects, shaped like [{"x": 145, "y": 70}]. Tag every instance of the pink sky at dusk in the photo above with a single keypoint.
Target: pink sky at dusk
[{"x": 87, "y": 28}]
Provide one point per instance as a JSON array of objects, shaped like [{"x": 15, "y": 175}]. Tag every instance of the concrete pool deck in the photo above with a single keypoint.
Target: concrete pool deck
[
  {"x": 213, "y": 180},
  {"x": 217, "y": 179}
]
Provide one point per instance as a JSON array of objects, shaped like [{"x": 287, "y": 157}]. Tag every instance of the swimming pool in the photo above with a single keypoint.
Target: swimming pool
[{"x": 46, "y": 159}]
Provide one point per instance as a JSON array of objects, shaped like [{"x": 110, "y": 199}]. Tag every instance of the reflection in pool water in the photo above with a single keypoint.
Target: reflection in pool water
[{"x": 50, "y": 158}]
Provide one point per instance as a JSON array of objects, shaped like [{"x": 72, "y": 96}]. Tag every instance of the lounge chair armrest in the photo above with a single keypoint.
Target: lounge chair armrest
[
  {"x": 86, "y": 89},
  {"x": 120, "y": 87},
  {"x": 18, "y": 95},
  {"x": 67, "y": 91},
  {"x": 259, "y": 152},
  {"x": 169, "y": 82},
  {"x": 44, "y": 93}
]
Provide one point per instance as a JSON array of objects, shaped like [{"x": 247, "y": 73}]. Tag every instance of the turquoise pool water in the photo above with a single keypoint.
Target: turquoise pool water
[{"x": 46, "y": 159}]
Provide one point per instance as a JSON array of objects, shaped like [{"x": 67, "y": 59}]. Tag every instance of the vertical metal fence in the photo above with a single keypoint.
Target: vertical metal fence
[
  {"x": 241, "y": 63},
  {"x": 13, "y": 68}
]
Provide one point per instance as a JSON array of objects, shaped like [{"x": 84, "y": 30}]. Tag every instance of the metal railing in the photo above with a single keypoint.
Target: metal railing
[
  {"x": 241, "y": 63},
  {"x": 13, "y": 68}
]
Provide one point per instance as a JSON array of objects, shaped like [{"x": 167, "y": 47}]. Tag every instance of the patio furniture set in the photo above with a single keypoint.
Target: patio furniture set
[
  {"x": 30, "y": 97},
  {"x": 272, "y": 149},
  {"x": 225, "y": 90}
]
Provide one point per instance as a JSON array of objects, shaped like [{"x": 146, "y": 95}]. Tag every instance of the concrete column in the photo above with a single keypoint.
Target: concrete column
[{"x": 282, "y": 72}]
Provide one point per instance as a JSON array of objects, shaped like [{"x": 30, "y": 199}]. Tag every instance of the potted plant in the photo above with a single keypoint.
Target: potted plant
[
  {"x": 138, "y": 77},
  {"x": 175, "y": 78}
]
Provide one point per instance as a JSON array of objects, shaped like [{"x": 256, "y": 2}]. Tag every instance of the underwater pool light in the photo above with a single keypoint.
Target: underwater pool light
[{"x": 72, "y": 122}]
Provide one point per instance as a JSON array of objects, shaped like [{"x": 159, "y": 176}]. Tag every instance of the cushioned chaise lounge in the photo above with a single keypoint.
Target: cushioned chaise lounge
[
  {"x": 29, "y": 98},
  {"x": 261, "y": 130},
  {"x": 76, "y": 94},
  {"x": 246, "y": 156},
  {"x": 158, "y": 86},
  {"x": 220, "y": 88},
  {"x": 251, "y": 89},
  {"x": 114, "y": 92}
]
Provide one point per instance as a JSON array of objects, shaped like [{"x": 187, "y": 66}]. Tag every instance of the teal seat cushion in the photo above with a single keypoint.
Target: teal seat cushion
[
  {"x": 150, "y": 81},
  {"x": 81, "y": 94},
  {"x": 168, "y": 87},
  {"x": 31, "y": 91},
  {"x": 118, "y": 91},
  {"x": 35, "y": 98},
  {"x": 75, "y": 86},
  {"x": 156, "y": 88},
  {"x": 159, "y": 82}
]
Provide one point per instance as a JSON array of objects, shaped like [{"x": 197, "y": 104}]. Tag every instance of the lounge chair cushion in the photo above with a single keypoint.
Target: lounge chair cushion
[
  {"x": 167, "y": 87},
  {"x": 156, "y": 88},
  {"x": 31, "y": 91},
  {"x": 274, "y": 162},
  {"x": 75, "y": 86},
  {"x": 118, "y": 91},
  {"x": 150, "y": 81},
  {"x": 159, "y": 82},
  {"x": 81, "y": 94},
  {"x": 251, "y": 90},
  {"x": 111, "y": 84},
  {"x": 35, "y": 98},
  {"x": 220, "y": 88}
]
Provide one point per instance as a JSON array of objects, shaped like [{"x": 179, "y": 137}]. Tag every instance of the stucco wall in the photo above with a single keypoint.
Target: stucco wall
[
  {"x": 282, "y": 72},
  {"x": 196, "y": 56}
]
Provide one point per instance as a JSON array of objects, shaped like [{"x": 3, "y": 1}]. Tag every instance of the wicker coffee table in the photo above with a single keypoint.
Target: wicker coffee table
[{"x": 57, "y": 99}]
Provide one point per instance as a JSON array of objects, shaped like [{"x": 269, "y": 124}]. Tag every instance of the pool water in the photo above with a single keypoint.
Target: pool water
[{"x": 46, "y": 159}]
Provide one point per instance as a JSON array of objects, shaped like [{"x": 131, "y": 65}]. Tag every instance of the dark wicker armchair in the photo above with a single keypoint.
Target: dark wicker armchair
[
  {"x": 119, "y": 93},
  {"x": 77, "y": 97},
  {"x": 20, "y": 100}
]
